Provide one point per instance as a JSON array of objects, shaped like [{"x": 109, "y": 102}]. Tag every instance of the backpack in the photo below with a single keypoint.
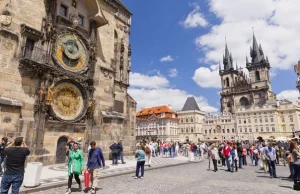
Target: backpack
[
  {"x": 148, "y": 151},
  {"x": 232, "y": 153}
]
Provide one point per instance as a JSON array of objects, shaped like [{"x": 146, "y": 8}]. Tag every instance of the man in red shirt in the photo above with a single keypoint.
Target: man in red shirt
[{"x": 226, "y": 154}]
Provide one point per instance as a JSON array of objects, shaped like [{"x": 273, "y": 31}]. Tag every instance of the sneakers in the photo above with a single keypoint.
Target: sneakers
[
  {"x": 93, "y": 191},
  {"x": 141, "y": 177},
  {"x": 68, "y": 191},
  {"x": 135, "y": 177}
]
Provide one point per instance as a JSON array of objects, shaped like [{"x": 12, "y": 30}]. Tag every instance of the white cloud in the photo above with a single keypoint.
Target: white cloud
[
  {"x": 275, "y": 27},
  {"x": 207, "y": 77},
  {"x": 167, "y": 58},
  {"x": 173, "y": 72},
  {"x": 291, "y": 95},
  {"x": 145, "y": 81},
  {"x": 147, "y": 95},
  {"x": 195, "y": 19}
]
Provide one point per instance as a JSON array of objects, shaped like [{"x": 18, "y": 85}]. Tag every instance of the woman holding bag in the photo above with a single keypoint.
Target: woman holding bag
[{"x": 75, "y": 167}]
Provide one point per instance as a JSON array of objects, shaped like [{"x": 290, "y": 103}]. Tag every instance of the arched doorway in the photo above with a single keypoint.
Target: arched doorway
[{"x": 61, "y": 150}]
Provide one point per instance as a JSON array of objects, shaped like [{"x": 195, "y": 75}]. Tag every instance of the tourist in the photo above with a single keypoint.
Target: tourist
[
  {"x": 176, "y": 149},
  {"x": 195, "y": 151},
  {"x": 255, "y": 156},
  {"x": 149, "y": 149},
  {"x": 244, "y": 156},
  {"x": 222, "y": 158},
  {"x": 16, "y": 154},
  {"x": 203, "y": 148},
  {"x": 95, "y": 162},
  {"x": 226, "y": 154},
  {"x": 75, "y": 166},
  {"x": 121, "y": 152},
  {"x": 270, "y": 155},
  {"x": 296, "y": 163},
  {"x": 234, "y": 158},
  {"x": 215, "y": 157},
  {"x": 3, "y": 145},
  {"x": 239, "y": 148},
  {"x": 264, "y": 161},
  {"x": 140, "y": 155},
  {"x": 115, "y": 151}
]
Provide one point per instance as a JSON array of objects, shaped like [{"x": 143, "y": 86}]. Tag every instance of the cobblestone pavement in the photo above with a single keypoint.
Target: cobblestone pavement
[
  {"x": 194, "y": 178},
  {"x": 156, "y": 162}
]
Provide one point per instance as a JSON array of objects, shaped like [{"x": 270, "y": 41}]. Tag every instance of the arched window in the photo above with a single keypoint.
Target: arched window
[
  {"x": 244, "y": 101},
  {"x": 227, "y": 82},
  {"x": 228, "y": 131},
  {"x": 192, "y": 130},
  {"x": 232, "y": 130},
  {"x": 257, "y": 76},
  {"x": 192, "y": 120},
  {"x": 186, "y": 120}
]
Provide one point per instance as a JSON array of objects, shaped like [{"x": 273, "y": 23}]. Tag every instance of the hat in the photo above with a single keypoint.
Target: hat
[
  {"x": 228, "y": 142},
  {"x": 79, "y": 139}
]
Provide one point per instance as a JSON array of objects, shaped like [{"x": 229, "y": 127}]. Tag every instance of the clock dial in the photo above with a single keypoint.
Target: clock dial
[
  {"x": 70, "y": 52},
  {"x": 67, "y": 101}
]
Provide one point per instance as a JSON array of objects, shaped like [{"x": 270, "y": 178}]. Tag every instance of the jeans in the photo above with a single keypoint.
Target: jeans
[
  {"x": 215, "y": 165},
  {"x": 140, "y": 164},
  {"x": 234, "y": 164},
  {"x": 122, "y": 156},
  {"x": 228, "y": 162},
  {"x": 245, "y": 160},
  {"x": 240, "y": 161},
  {"x": 255, "y": 159},
  {"x": 272, "y": 168},
  {"x": 71, "y": 178},
  {"x": 296, "y": 172},
  {"x": 115, "y": 158},
  {"x": 11, "y": 180},
  {"x": 292, "y": 171}
]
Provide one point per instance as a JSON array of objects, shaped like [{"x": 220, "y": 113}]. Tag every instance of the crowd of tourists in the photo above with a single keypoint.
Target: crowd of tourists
[{"x": 231, "y": 155}]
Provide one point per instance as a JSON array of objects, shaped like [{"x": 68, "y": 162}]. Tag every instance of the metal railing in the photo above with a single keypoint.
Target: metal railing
[{"x": 37, "y": 54}]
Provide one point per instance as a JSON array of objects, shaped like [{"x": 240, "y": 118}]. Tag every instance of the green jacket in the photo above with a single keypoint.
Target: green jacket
[{"x": 76, "y": 158}]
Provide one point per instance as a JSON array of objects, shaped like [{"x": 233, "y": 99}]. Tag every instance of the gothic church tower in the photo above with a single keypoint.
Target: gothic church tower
[{"x": 241, "y": 91}]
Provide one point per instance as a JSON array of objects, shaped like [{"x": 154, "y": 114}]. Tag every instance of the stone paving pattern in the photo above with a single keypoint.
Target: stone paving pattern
[{"x": 194, "y": 178}]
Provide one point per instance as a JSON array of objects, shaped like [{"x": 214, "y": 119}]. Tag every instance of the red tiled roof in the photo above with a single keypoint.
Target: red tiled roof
[{"x": 157, "y": 111}]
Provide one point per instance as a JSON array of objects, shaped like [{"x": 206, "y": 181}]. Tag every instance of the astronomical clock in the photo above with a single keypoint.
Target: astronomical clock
[{"x": 71, "y": 53}]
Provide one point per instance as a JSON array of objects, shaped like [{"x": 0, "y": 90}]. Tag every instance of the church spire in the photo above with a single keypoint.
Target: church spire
[
  {"x": 256, "y": 51},
  {"x": 227, "y": 59}
]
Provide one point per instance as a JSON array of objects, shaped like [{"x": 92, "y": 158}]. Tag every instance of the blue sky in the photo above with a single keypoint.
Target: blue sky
[{"x": 177, "y": 44}]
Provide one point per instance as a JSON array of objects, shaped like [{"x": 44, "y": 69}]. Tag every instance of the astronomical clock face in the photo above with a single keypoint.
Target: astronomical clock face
[
  {"x": 67, "y": 101},
  {"x": 70, "y": 52}
]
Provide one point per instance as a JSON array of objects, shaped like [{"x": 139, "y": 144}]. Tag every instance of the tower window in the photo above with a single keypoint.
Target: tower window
[
  {"x": 227, "y": 82},
  {"x": 80, "y": 20},
  {"x": 257, "y": 76},
  {"x": 63, "y": 10},
  {"x": 244, "y": 101},
  {"x": 29, "y": 47}
]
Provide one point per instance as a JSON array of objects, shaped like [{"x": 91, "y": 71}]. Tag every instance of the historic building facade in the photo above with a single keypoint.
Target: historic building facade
[
  {"x": 157, "y": 123},
  {"x": 190, "y": 121},
  {"x": 239, "y": 90},
  {"x": 65, "y": 71},
  {"x": 248, "y": 105}
]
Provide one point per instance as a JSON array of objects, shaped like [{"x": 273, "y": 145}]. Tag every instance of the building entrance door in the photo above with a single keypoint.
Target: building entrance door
[{"x": 61, "y": 150}]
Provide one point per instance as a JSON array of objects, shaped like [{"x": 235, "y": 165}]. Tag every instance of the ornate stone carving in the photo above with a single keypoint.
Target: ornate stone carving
[
  {"x": 33, "y": 33},
  {"x": 5, "y": 19},
  {"x": 74, "y": 19},
  {"x": 91, "y": 108},
  {"x": 6, "y": 119}
]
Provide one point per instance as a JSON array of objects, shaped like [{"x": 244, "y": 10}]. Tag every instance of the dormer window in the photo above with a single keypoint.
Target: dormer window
[{"x": 63, "y": 10}]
